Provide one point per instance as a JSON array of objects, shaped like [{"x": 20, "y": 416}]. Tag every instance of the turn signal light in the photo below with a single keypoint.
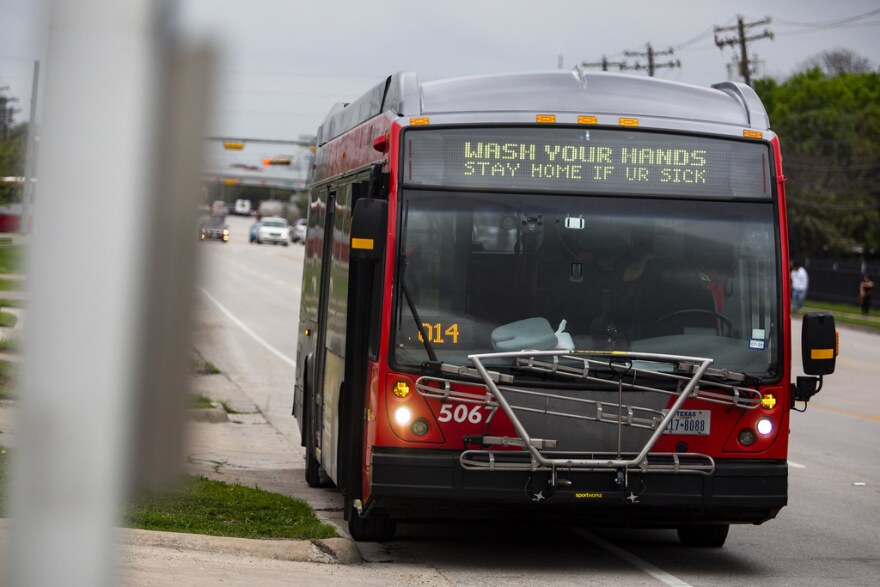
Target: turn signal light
[{"x": 400, "y": 388}]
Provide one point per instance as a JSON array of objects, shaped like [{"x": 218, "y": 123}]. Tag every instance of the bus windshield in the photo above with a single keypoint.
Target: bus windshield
[{"x": 506, "y": 271}]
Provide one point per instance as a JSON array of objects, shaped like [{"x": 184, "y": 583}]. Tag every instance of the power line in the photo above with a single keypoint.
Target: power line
[
  {"x": 829, "y": 23},
  {"x": 707, "y": 32},
  {"x": 741, "y": 39},
  {"x": 828, "y": 28}
]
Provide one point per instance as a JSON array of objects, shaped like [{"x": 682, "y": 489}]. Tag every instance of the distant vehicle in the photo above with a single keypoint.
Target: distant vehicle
[
  {"x": 219, "y": 208},
  {"x": 273, "y": 229},
  {"x": 242, "y": 207},
  {"x": 298, "y": 234},
  {"x": 215, "y": 229}
]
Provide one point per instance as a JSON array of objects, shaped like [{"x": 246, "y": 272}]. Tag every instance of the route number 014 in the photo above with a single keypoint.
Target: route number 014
[
  {"x": 460, "y": 413},
  {"x": 435, "y": 333}
]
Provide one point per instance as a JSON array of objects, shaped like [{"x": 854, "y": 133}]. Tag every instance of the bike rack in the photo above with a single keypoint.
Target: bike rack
[{"x": 496, "y": 391}]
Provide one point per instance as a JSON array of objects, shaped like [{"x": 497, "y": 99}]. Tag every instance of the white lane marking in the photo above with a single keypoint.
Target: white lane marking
[
  {"x": 247, "y": 330},
  {"x": 796, "y": 465},
  {"x": 645, "y": 566}
]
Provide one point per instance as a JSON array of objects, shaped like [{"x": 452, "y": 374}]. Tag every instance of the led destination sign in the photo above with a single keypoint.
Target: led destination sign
[{"x": 595, "y": 160}]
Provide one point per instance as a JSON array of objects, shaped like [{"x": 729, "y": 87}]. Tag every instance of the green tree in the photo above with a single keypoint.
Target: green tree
[
  {"x": 829, "y": 129},
  {"x": 12, "y": 154}
]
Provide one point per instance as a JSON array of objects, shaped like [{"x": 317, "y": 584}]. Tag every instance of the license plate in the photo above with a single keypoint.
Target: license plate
[{"x": 694, "y": 422}]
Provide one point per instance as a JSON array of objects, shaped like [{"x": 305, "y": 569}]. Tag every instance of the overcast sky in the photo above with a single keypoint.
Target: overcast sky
[{"x": 284, "y": 63}]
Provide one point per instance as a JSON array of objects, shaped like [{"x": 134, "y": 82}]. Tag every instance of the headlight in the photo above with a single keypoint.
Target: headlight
[
  {"x": 765, "y": 426},
  {"x": 402, "y": 415}
]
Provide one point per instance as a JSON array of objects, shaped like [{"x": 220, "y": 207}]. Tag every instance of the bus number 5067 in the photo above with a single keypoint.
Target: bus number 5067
[{"x": 459, "y": 413}]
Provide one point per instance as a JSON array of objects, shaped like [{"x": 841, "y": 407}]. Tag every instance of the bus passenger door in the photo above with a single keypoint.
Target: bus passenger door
[
  {"x": 334, "y": 313},
  {"x": 325, "y": 209}
]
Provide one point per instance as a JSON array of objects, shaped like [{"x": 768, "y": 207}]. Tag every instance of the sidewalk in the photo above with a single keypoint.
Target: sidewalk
[{"x": 245, "y": 448}]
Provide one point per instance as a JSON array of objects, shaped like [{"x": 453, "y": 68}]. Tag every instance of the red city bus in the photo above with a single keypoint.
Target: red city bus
[{"x": 561, "y": 295}]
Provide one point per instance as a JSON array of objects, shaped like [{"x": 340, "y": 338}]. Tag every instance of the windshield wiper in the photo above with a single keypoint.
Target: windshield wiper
[
  {"x": 714, "y": 374},
  {"x": 470, "y": 372},
  {"x": 415, "y": 314}
]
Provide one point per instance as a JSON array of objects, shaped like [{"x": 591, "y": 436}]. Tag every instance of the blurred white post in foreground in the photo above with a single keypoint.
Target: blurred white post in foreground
[{"x": 109, "y": 285}]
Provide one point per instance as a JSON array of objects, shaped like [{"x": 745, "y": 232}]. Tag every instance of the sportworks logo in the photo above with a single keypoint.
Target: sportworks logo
[{"x": 588, "y": 495}]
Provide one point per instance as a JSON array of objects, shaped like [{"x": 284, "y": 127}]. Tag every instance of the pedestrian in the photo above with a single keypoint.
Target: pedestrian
[
  {"x": 866, "y": 288},
  {"x": 800, "y": 281}
]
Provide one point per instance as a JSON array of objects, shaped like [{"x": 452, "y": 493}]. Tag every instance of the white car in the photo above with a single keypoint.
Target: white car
[{"x": 273, "y": 229}]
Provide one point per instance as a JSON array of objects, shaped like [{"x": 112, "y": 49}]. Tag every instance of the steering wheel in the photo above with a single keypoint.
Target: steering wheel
[{"x": 723, "y": 321}]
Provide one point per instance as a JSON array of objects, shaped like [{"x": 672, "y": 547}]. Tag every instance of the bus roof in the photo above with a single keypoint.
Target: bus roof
[{"x": 574, "y": 91}]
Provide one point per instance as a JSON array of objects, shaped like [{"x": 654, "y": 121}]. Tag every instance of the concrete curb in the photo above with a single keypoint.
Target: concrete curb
[{"x": 328, "y": 551}]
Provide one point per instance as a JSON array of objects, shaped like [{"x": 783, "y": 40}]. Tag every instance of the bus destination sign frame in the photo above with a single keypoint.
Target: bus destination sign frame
[{"x": 592, "y": 160}]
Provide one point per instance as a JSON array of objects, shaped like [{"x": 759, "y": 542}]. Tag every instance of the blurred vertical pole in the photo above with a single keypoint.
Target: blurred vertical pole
[
  {"x": 110, "y": 273},
  {"x": 30, "y": 158}
]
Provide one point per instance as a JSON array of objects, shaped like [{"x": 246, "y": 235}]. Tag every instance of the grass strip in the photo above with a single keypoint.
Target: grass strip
[
  {"x": 7, "y": 379},
  {"x": 7, "y": 284},
  {"x": 215, "y": 508},
  {"x": 844, "y": 313},
  {"x": 8, "y": 320},
  {"x": 11, "y": 344},
  {"x": 11, "y": 258}
]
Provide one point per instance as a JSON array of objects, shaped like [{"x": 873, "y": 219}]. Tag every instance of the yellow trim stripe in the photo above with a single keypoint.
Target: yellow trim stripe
[
  {"x": 362, "y": 243},
  {"x": 822, "y": 354}
]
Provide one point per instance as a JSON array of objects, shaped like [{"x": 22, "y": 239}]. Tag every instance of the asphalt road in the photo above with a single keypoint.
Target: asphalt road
[{"x": 828, "y": 534}]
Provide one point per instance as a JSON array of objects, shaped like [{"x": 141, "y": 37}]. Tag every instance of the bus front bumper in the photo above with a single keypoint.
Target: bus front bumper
[{"x": 429, "y": 484}]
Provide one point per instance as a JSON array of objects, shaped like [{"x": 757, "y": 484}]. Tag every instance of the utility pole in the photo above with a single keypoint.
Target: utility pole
[
  {"x": 621, "y": 65},
  {"x": 741, "y": 39},
  {"x": 652, "y": 64},
  {"x": 7, "y": 113}
]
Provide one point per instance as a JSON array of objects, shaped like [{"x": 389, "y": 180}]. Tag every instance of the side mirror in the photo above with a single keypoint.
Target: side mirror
[
  {"x": 369, "y": 220},
  {"x": 819, "y": 344}
]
